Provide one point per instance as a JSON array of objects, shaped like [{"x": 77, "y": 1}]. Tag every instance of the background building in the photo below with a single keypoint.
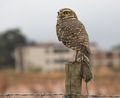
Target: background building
[{"x": 53, "y": 56}]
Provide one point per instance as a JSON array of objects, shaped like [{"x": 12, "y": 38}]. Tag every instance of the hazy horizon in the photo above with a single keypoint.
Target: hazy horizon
[{"x": 37, "y": 19}]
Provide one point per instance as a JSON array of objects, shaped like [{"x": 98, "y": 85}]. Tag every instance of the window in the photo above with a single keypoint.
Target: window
[
  {"x": 109, "y": 54},
  {"x": 61, "y": 60},
  {"x": 60, "y": 50}
]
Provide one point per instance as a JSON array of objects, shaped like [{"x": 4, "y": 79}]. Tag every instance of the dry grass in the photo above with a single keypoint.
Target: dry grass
[{"x": 105, "y": 82}]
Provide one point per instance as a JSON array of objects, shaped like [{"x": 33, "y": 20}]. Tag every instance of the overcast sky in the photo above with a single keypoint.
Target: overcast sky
[{"x": 37, "y": 18}]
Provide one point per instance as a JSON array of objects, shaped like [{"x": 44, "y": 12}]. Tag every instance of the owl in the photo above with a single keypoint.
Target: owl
[{"x": 72, "y": 33}]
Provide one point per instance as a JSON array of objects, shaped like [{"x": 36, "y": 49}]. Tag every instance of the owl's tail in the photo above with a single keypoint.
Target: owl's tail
[{"x": 87, "y": 52}]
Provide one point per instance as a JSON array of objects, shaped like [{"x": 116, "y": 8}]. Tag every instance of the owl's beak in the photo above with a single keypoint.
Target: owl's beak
[{"x": 59, "y": 17}]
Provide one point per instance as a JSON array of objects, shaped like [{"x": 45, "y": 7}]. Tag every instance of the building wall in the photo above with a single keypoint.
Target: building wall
[
  {"x": 47, "y": 58},
  {"x": 106, "y": 58},
  {"x": 52, "y": 57}
]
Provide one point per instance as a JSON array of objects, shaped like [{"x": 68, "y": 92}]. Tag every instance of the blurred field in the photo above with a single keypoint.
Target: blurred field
[{"x": 105, "y": 82}]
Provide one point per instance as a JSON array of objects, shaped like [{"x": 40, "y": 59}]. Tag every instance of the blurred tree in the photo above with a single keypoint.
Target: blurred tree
[
  {"x": 117, "y": 47},
  {"x": 9, "y": 40}
]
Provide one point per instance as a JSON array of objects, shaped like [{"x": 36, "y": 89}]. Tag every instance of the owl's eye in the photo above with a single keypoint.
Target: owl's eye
[
  {"x": 58, "y": 13},
  {"x": 66, "y": 12}
]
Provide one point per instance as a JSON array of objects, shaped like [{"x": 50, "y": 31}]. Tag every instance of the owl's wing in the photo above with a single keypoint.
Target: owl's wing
[
  {"x": 81, "y": 37},
  {"x": 84, "y": 39},
  {"x": 78, "y": 31}
]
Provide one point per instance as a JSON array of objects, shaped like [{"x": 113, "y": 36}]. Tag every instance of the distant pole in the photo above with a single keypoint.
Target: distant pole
[{"x": 73, "y": 78}]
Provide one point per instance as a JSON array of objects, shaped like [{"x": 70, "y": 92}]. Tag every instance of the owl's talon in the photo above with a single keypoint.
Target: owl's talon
[{"x": 76, "y": 55}]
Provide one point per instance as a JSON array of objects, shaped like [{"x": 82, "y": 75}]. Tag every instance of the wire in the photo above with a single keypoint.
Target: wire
[{"x": 50, "y": 94}]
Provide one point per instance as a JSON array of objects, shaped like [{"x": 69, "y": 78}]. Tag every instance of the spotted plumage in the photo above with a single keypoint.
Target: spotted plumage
[{"x": 72, "y": 32}]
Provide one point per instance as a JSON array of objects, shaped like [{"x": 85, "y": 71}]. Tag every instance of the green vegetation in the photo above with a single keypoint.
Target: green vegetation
[
  {"x": 117, "y": 47},
  {"x": 9, "y": 40}
]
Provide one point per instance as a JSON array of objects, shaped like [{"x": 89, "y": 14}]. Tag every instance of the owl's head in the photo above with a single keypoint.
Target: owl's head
[{"x": 66, "y": 13}]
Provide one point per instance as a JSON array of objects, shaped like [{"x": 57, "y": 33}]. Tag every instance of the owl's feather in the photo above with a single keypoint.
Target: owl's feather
[{"x": 73, "y": 35}]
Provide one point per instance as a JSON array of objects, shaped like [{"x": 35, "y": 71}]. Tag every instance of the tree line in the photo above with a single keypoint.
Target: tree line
[{"x": 9, "y": 40}]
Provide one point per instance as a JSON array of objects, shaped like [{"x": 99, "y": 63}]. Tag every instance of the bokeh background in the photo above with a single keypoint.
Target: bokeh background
[{"x": 31, "y": 57}]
